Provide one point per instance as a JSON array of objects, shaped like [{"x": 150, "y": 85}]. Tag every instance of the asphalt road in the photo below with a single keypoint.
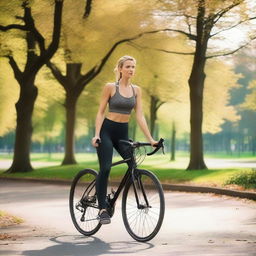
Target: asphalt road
[{"x": 194, "y": 224}]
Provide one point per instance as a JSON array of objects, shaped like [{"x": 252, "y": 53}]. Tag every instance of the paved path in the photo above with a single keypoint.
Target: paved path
[{"x": 194, "y": 224}]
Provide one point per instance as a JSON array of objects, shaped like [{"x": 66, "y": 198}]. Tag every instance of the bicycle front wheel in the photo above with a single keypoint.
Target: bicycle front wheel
[
  {"x": 143, "y": 206},
  {"x": 83, "y": 203}
]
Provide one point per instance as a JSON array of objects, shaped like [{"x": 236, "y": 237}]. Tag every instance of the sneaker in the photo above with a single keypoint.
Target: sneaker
[{"x": 104, "y": 217}]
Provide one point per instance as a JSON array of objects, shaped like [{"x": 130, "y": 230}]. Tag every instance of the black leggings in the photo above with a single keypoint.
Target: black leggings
[{"x": 110, "y": 134}]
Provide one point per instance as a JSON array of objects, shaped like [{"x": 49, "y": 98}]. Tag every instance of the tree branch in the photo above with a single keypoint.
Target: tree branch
[
  {"x": 15, "y": 68},
  {"x": 219, "y": 14},
  {"x": 29, "y": 22},
  {"x": 56, "y": 29},
  {"x": 237, "y": 24},
  {"x": 189, "y": 35},
  {"x": 176, "y": 15},
  {"x": 189, "y": 25},
  {"x": 231, "y": 52},
  {"x": 19, "y": 17},
  {"x": 47, "y": 54},
  {"x": 160, "y": 103},
  {"x": 13, "y": 26},
  {"x": 29, "y": 26},
  {"x": 162, "y": 50},
  {"x": 97, "y": 68},
  {"x": 88, "y": 8},
  {"x": 56, "y": 72}
]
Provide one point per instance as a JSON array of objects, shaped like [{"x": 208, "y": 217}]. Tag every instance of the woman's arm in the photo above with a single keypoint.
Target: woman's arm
[
  {"x": 101, "y": 112},
  {"x": 141, "y": 119}
]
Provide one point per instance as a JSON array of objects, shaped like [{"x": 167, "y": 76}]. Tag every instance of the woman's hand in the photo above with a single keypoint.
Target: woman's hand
[
  {"x": 94, "y": 143},
  {"x": 153, "y": 143}
]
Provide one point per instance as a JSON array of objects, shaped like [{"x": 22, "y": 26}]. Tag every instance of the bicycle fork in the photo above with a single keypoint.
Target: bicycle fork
[{"x": 141, "y": 188}]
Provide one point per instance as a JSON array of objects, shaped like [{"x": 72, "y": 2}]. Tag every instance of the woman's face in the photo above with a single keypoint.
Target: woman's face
[{"x": 128, "y": 69}]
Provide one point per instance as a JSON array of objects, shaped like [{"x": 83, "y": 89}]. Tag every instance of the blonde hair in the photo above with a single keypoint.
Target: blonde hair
[{"x": 120, "y": 64}]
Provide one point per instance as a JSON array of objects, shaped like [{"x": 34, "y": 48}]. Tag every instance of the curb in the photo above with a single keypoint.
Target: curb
[
  {"x": 166, "y": 187},
  {"x": 202, "y": 189}
]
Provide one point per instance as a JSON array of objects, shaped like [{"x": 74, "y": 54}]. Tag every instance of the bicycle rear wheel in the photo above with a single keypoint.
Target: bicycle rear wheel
[
  {"x": 83, "y": 203},
  {"x": 143, "y": 206}
]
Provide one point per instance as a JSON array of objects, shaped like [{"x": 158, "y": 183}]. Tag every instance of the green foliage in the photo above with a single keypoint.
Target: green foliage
[
  {"x": 245, "y": 179},
  {"x": 88, "y": 40},
  {"x": 250, "y": 100},
  {"x": 8, "y": 95},
  {"x": 166, "y": 175}
]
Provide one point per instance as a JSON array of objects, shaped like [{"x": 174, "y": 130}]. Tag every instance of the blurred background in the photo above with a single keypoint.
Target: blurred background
[{"x": 169, "y": 45}]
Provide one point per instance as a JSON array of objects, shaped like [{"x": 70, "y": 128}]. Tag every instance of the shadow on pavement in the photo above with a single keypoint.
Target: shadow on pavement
[{"x": 80, "y": 245}]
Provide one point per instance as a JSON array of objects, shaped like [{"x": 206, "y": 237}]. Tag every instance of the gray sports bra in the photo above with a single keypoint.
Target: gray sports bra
[{"x": 120, "y": 104}]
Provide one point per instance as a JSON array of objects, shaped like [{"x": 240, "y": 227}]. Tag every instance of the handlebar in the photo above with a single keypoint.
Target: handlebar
[{"x": 160, "y": 144}]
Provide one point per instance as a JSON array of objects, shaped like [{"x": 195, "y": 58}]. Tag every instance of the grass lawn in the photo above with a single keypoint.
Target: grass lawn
[
  {"x": 80, "y": 157},
  {"x": 167, "y": 172}
]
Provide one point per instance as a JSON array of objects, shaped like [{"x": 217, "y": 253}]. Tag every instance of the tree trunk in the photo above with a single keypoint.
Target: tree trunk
[
  {"x": 173, "y": 142},
  {"x": 196, "y": 85},
  {"x": 253, "y": 145},
  {"x": 155, "y": 104},
  {"x": 153, "y": 109},
  {"x": 70, "y": 107},
  {"x": 24, "y": 109}
]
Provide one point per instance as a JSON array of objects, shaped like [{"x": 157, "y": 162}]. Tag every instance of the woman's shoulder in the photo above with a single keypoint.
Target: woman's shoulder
[
  {"x": 109, "y": 86},
  {"x": 136, "y": 88}
]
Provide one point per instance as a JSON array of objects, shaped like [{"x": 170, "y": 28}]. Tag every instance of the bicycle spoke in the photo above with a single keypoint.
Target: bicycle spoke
[
  {"x": 82, "y": 202},
  {"x": 143, "y": 218}
]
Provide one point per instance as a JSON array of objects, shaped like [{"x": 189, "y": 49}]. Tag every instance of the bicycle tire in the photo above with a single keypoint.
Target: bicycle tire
[
  {"x": 83, "y": 202},
  {"x": 151, "y": 214}
]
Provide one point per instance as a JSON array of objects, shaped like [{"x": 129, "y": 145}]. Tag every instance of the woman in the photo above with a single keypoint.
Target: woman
[{"x": 122, "y": 97}]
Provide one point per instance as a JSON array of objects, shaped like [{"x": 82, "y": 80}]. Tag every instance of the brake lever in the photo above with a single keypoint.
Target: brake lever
[
  {"x": 163, "y": 149},
  {"x": 160, "y": 145}
]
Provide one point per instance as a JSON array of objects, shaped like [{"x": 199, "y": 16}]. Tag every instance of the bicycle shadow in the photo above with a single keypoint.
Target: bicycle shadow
[{"x": 82, "y": 246}]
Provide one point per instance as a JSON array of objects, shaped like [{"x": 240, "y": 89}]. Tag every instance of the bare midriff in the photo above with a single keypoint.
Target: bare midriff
[{"x": 117, "y": 117}]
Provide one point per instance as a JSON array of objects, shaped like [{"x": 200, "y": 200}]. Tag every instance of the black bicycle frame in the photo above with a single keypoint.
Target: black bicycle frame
[
  {"x": 124, "y": 180},
  {"x": 128, "y": 175}
]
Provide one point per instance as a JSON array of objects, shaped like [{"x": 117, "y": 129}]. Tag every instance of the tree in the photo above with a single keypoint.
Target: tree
[
  {"x": 220, "y": 81},
  {"x": 35, "y": 43},
  {"x": 78, "y": 76},
  {"x": 203, "y": 20}
]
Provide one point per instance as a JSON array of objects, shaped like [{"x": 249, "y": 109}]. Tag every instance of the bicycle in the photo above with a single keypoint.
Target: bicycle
[{"x": 143, "y": 202}]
